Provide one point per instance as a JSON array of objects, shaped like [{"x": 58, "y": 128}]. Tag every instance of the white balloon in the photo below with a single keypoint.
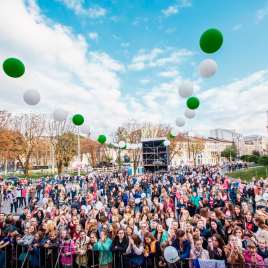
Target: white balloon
[
  {"x": 137, "y": 201},
  {"x": 128, "y": 146},
  {"x": 167, "y": 143},
  {"x": 99, "y": 205},
  {"x": 135, "y": 146},
  {"x": 171, "y": 254},
  {"x": 180, "y": 121},
  {"x": 174, "y": 132},
  {"x": 207, "y": 68},
  {"x": 59, "y": 115},
  {"x": 94, "y": 136},
  {"x": 85, "y": 128},
  {"x": 143, "y": 195},
  {"x": 186, "y": 90},
  {"x": 122, "y": 144},
  {"x": 189, "y": 113},
  {"x": 169, "y": 221},
  {"x": 140, "y": 145},
  {"x": 31, "y": 96}
]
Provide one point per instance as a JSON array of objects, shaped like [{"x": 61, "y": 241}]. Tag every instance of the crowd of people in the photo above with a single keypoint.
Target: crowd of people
[{"x": 112, "y": 221}]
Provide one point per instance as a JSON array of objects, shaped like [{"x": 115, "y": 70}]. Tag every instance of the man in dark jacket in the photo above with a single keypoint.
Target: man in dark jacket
[
  {"x": 119, "y": 245},
  {"x": 218, "y": 202}
]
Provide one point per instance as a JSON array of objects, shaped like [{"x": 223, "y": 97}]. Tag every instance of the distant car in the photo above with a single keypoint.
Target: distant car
[{"x": 11, "y": 179}]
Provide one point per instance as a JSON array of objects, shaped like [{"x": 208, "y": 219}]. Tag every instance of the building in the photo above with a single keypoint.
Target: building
[
  {"x": 210, "y": 155},
  {"x": 256, "y": 143},
  {"x": 230, "y": 135}
]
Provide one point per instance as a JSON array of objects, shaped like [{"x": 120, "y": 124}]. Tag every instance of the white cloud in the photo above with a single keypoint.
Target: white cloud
[
  {"x": 170, "y": 11},
  {"x": 125, "y": 44},
  {"x": 144, "y": 81},
  {"x": 60, "y": 66},
  {"x": 116, "y": 37},
  {"x": 93, "y": 35},
  {"x": 185, "y": 3},
  {"x": 171, "y": 30},
  {"x": 97, "y": 12},
  {"x": 237, "y": 27},
  {"x": 170, "y": 74},
  {"x": 143, "y": 60},
  {"x": 240, "y": 104},
  {"x": 262, "y": 13},
  {"x": 93, "y": 12},
  {"x": 138, "y": 20}
]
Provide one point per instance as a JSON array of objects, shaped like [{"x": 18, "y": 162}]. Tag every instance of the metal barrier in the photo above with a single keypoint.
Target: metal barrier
[{"x": 66, "y": 257}]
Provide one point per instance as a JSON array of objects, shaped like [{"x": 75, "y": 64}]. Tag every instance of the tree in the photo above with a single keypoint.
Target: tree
[
  {"x": 253, "y": 158},
  {"x": 28, "y": 130},
  {"x": 255, "y": 152},
  {"x": 90, "y": 149},
  {"x": 243, "y": 157},
  {"x": 119, "y": 135},
  {"x": 63, "y": 140},
  {"x": 263, "y": 160},
  {"x": 197, "y": 146},
  {"x": 229, "y": 150}
]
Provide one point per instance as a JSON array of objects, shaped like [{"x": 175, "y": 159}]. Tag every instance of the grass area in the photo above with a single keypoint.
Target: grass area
[
  {"x": 247, "y": 174},
  {"x": 37, "y": 176}
]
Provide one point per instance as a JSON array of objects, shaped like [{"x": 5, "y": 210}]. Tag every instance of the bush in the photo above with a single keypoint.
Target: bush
[
  {"x": 253, "y": 158},
  {"x": 263, "y": 160},
  {"x": 243, "y": 157}
]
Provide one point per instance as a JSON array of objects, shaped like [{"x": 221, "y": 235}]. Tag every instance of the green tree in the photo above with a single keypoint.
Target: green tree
[
  {"x": 263, "y": 160},
  {"x": 243, "y": 157},
  {"x": 253, "y": 158},
  {"x": 255, "y": 152},
  {"x": 230, "y": 150}
]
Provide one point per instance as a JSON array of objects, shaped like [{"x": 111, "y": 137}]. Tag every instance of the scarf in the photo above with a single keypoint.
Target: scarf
[{"x": 198, "y": 253}]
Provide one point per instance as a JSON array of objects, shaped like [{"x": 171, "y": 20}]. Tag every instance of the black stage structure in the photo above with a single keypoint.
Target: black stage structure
[{"x": 155, "y": 156}]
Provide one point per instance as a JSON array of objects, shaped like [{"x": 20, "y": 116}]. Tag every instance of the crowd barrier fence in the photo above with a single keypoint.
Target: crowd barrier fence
[{"x": 92, "y": 259}]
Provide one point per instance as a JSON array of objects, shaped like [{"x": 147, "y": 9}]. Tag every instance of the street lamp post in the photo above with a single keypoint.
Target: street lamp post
[{"x": 78, "y": 155}]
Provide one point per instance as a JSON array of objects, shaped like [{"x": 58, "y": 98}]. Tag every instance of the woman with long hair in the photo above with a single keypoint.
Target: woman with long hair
[
  {"x": 238, "y": 232},
  {"x": 228, "y": 228},
  {"x": 238, "y": 216},
  {"x": 216, "y": 249},
  {"x": 215, "y": 229},
  {"x": 228, "y": 209},
  {"x": 248, "y": 222},
  {"x": 220, "y": 215},
  {"x": 152, "y": 248},
  {"x": 163, "y": 220},
  {"x": 262, "y": 228},
  {"x": 135, "y": 245},
  {"x": 92, "y": 228},
  {"x": 113, "y": 231},
  {"x": 234, "y": 253},
  {"x": 160, "y": 234}
]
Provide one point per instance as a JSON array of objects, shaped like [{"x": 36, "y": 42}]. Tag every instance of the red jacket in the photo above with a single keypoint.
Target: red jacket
[{"x": 165, "y": 207}]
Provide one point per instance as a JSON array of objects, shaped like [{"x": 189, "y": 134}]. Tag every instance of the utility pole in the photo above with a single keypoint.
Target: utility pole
[
  {"x": 53, "y": 163},
  {"x": 230, "y": 157},
  {"x": 78, "y": 156}
]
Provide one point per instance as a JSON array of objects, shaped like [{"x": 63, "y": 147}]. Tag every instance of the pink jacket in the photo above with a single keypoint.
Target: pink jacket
[
  {"x": 248, "y": 259},
  {"x": 68, "y": 248}
]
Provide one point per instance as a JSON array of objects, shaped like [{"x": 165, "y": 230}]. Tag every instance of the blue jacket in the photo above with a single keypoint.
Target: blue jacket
[
  {"x": 233, "y": 193},
  {"x": 204, "y": 232},
  {"x": 34, "y": 254},
  {"x": 185, "y": 253},
  {"x": 126, "y": 197}
]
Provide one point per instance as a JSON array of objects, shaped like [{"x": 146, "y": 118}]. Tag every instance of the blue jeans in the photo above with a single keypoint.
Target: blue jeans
[
  {"x": 29, "y": 199},
  {"x": 15, "y": 204},
  {"x": 38, "y": 194},
  {"x": 146, "y": 191},
  {"x": 2, "y": 259}
]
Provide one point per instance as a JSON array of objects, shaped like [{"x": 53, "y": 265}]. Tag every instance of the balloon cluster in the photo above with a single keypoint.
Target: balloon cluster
[
  {"x": 123, "y": 145},
  {"x": 210, "y": 42},
  {"x": 15, "y": 69}
]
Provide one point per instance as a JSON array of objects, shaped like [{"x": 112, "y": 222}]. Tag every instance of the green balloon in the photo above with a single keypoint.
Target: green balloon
[
  {"x": 193, "y": 103},
  {"x": 211, "y": 40},
  {"x": 171, "y": 136},
  {"x": 78, "y": 119},
  {"x": 102, "y": 139},
  {"x": 13, "y": 67},
  {"x": 125, "y": 147}
]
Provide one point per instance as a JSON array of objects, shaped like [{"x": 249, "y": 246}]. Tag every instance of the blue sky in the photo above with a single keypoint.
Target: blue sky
[{"x": 114, "y": 60}]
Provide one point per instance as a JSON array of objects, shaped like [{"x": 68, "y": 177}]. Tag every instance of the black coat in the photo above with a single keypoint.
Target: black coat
[{"x": 121, "y": 247}]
